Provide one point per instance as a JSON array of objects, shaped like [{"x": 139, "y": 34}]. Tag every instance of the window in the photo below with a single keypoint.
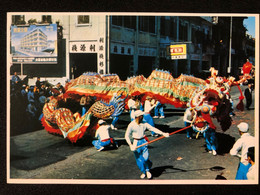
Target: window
[
  {"x": 163, "y": 25},
  {"x": 117, "y": 20},
  {"x": 183, "y": 31},
  {"x": 83, "y": 20},
  {"x": 147, "y": 24},
  {"x": 122, "y": 50},
  {"x": 125, "y": 21},
  {"x": 46, "y": 19},
  {"x": 129, "y": 22},
  {"x": 193, "y": 35},
  {"x": 129, "y": 50},
  {"x": 18, "y": 19},
  {"x": 115, "y": 49},
  {"x": 173, "y": 28}
]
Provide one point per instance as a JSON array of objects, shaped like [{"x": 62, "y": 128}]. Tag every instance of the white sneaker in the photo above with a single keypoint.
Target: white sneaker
[
  {"x": 155, "y": 117},
  {"x": 210, "y": 151},
  {"x": 214, "y": 152},
  {"x": 162, "y": 116},
  {"x": 142, "y": 176},
  {"x": 100, "y": 149},
  {"x": 148, "y": 174},
  {"x": 113, "y": 127}
]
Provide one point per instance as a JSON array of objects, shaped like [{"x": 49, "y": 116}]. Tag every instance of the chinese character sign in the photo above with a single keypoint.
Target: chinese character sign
[
  {"x": 34, "y": 43},
  {"x": 101, "y": 56},
  {"x": 83, "y": 47},
  {"x": 97, "y": 47},
  {"x": 178, "y": 51}
]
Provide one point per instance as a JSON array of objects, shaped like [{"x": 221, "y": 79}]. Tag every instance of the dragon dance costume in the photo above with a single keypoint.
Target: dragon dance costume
[{"x": 60, "y": 117}]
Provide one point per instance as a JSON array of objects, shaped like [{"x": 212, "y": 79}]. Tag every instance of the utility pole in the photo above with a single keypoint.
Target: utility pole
[{"x": 230, "y": 48}]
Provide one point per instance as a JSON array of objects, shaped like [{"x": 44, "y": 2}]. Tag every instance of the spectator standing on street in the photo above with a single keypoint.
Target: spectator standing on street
[
  {"x": 104, "y": 139},
  {"x": 30, "y": 94},
  {"x": 248, "y": 95},
  {"x": 14, "y": 81},
  {"x": 38, "y": 83},
  {"x": 24, "y": 92},
  {"x": 60, "y": 88},
  {"x": 242, "y": 144},
  {"x": 158, "y": 109},
  {"x": 251, "y": 159},
  {"x": 136, "y": 129},
  {"x": 15, "y": 78}
]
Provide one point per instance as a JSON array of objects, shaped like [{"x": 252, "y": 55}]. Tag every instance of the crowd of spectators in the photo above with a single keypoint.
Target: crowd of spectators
[{"x": 27, "y": 103}]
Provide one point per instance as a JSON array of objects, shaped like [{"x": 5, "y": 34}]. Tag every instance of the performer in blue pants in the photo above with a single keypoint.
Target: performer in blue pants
[
  {"x": 114, "y": 121},
  {"x": 211, "y": 141},
  {"x": 104, "y": 140},
  {"x": 136, "y": 129},
  {"x": 159, "y": 110}
]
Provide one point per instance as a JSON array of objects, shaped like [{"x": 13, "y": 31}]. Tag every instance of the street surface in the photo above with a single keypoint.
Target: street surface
[{"x": 40, "y": 155}]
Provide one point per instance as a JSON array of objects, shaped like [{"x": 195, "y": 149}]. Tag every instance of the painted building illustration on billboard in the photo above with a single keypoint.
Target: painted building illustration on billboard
[{"x": 34, "y": 43}]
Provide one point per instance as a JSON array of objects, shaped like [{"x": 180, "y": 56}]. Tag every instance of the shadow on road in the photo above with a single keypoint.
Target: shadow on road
[
  {"x": 41, "y": 157},
  {"x": 157, "y": 171},
  {"x": 225, "y": 143}
]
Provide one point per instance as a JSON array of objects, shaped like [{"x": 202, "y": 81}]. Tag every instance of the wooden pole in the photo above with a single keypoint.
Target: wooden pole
[{"x": 159, "y": 138}]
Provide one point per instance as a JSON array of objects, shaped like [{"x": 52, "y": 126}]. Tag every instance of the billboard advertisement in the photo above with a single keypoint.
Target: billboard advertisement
[
  {"x": 178, "y": 51},
  {"x": 34, "y": 44}
]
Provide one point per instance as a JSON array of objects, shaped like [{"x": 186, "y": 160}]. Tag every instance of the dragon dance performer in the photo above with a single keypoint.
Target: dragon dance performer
[
  {"x": 104, "y": 138},
  {"x": 132, "y": 107},
  {"x": 136, "y": 129},
  {"x": 189, "y": 118},
  {"x": 148, "y": 106},
  {"x": 210, "y": 133}
]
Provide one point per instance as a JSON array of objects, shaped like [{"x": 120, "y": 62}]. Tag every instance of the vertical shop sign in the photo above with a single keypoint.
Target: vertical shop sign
[{"x": 101, "y": 56}]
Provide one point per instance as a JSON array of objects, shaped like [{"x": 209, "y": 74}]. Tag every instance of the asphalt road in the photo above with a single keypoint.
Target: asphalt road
[{"x": 40, "y": 155}]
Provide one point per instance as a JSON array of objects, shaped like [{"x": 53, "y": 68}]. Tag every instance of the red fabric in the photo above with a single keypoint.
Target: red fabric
[
  {"x": 240, "y": 105},
  {"x": 208, "y": 119},
  {"x": 111, "y": 140},
  {"x": 49, "y": 128},
  {"x": 214, "y": 103},
  {"x": 146, "y": 138},
  {"x": 164, "y": 100},
  {"x": 247, "y": 68}
]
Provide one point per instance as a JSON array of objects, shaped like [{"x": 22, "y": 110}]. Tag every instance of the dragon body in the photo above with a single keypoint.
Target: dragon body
[{"x": 109, "y": 95}]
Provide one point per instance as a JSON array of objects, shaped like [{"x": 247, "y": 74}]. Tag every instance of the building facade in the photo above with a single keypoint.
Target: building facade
[{"x": 129, "y": 44}]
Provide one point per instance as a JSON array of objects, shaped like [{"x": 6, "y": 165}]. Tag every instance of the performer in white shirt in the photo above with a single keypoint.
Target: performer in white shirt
[
  {"x": 189, "y": 118},
  {"x": 132, "y": 107},
  {"x": 104, "y": 139},
  {"x": 148, "y": 106},
  {"x": 136, "y": 129},
  {"x": 243, "y": 143}
]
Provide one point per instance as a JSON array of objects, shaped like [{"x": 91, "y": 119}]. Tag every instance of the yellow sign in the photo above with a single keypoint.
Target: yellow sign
[{"x": 178, "y": 51}]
